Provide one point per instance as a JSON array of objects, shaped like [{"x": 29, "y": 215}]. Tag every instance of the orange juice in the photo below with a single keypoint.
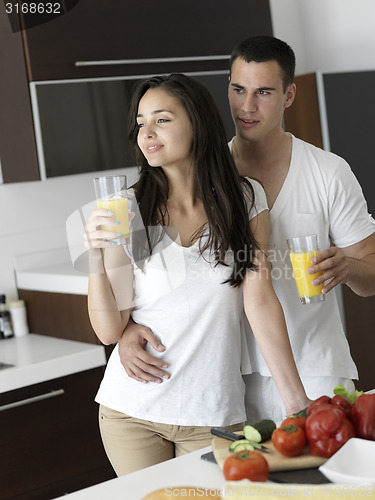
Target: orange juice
[
  {"x": 119, "y": 207},
  {"x": 301, "y": 262}
]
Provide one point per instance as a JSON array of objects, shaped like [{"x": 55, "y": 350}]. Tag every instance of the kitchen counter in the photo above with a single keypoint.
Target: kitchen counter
[
  {"x": 38, "y": 358},
  {"x": 57, "y": 278},
  {"x": 50, "y": 271},
  {"x": 187, "y": 470}
]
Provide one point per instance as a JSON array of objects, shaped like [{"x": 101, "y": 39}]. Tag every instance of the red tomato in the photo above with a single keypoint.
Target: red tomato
[
  {"x": 298, "y": 421},
  {"x": 246, "y": 465},
  {"x": 289, "y": 440}
]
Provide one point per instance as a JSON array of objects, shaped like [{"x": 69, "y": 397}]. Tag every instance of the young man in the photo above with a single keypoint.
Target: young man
[{"x": 308, "y": 191}]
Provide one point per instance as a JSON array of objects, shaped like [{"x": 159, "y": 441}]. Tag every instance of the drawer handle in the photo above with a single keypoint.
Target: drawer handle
[
  {"x": 34, "y": 399},
  {"x": 153, "y": 60}
]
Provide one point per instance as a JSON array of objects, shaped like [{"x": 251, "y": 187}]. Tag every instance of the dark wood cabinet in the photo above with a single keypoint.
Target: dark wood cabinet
[
  {"x": 41, "y": 48},
  {"x": 61, "y": 315},
  {"x": 50, "y": 444},
  {"x": 360, "y": 326},
  {"x": 303, "y": 118},
  {"x": 17, "y": 140},
  {"x": 320, "y": 115},
  {"x": 94, "y": 30}
]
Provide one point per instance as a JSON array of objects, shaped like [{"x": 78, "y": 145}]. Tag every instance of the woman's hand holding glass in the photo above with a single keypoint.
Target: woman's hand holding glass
[{"x": 97, "y": 237}]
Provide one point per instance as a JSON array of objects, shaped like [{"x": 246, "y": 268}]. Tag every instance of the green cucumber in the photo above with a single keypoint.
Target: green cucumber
[
  {"x": 241, "y": 445},
  {"x": 260, "y": 431}
]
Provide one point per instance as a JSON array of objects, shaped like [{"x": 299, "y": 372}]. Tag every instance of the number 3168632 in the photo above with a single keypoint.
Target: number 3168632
[{"x": 33, "y": 8}]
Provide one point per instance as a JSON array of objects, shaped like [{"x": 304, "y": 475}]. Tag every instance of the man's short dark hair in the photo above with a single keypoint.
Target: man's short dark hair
[{"x": 264, "y": 48}]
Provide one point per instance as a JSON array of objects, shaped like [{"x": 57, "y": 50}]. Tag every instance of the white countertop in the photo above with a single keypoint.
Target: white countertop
[
  {"x": 50, "y": 271},
  {"x": 188, "y": 470},
  {"x": 56, "y": 278},
  {"x": 38, "y": 358}
]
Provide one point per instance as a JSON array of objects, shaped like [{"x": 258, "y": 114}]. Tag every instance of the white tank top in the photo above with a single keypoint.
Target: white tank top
[{"x": 180, "y": 295}]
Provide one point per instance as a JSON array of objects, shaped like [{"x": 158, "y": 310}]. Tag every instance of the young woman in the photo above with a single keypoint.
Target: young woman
[{"x": 191, "y": 265}]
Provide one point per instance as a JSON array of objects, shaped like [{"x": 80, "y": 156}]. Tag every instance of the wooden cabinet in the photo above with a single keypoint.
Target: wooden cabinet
[
  {"x": 303, "y": 118},
  {"x": 17, "y": 141},
  {"x": 324, "y": 114},
  {"x": 50, "y": 442},
  {"x": 360, "y": 321},
  {"x": 92, "y": 30},
  {"x": 61, "y": 315}
]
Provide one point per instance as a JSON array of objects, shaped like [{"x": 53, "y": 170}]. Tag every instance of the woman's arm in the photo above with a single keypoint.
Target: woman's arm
[
  {"x": 267, "y": 321},
  {"x": 110, "y": 280}
]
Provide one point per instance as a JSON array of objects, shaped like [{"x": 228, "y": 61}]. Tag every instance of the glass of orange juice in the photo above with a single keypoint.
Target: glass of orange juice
[
  {"x": 111, "y": 194},
  {"x": 301, "y": 250}
]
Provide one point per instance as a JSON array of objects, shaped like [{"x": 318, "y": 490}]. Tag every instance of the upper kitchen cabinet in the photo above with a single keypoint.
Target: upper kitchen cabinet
[
  {"x": 96, "y": 31},
  {"x": 325, "y": 114},
  {"x": 17, "y": 141},
  {"x": 86, "y": 40}
]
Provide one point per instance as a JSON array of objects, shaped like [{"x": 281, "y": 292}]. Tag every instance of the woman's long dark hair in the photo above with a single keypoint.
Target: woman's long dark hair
[{"x": 226, "y": 196}]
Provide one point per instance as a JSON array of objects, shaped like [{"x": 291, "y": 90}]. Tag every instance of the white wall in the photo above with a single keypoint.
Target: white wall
[
  {"x": 325, "y": 34},
  {"x": 34, "y": 214}
]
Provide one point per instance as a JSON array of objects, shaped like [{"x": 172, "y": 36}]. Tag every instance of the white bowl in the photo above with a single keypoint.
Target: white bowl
[{"x": 352, "y": 464}]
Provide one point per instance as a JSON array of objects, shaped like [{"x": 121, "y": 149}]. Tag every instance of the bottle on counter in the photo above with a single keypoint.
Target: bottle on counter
[
  {"x": 5, "y": 324},
  {"x": 19, "y": 318}
]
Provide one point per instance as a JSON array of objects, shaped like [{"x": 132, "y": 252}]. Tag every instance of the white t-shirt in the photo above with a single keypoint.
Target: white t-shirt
[
  {"x": 180, "y": 296},
  {"x": 320, "y": 196}
]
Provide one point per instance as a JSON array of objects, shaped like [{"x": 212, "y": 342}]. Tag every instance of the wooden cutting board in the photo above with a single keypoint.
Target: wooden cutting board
[{"x": 275, "y": 460}]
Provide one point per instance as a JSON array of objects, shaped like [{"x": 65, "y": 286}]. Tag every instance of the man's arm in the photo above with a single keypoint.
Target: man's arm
[
  {"x": 139, "y": 364},
  {"x": 353, "y": 265}
]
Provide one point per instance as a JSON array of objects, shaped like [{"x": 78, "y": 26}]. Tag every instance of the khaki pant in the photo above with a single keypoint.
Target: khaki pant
[{"x": 132, "y": 444}]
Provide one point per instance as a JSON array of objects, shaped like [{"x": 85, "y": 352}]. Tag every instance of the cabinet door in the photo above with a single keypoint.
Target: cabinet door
[
  {"x": 354, "y": 143},
  {"x": 17, "y": 142},
  {"x": 302, "y": 119},
  {"x": 94, "y": 30},
  {"x": 61, "y": 315},
  {"x": 50, "y": 444},
  {"x": 111, "y": 30},
  {"x": 359, "y": 317}
]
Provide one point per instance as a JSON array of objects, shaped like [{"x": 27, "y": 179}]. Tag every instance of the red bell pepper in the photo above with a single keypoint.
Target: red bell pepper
[
  {"x": 326, "y": 401},
  {"x": 327, "y": 429},
  {"x": 363, "y": 416}
]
